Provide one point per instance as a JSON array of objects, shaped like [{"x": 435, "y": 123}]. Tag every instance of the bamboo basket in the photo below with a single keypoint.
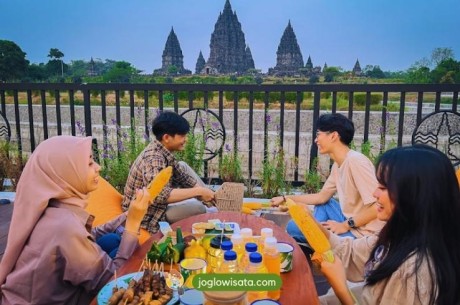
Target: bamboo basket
[{"x": 229, "y": 197}]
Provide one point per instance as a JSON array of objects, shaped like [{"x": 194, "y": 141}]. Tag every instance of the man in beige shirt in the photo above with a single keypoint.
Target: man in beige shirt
[{"x": 352, "y": 177}]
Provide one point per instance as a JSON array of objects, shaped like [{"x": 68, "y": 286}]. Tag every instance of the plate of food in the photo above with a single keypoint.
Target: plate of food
[
  {"x": 201, "y": 227},
  {"x": 125, "y": 288}
]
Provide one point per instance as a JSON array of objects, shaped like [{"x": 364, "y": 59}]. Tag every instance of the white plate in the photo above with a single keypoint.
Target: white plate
[{"x": 106, "y": 292}]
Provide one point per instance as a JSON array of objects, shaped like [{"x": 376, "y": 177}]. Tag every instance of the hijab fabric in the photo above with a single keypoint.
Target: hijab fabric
[{"x": 57, "y": 169}]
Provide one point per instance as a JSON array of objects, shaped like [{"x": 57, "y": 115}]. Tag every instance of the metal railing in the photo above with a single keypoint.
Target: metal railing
[{"x": 296, "y": 123}]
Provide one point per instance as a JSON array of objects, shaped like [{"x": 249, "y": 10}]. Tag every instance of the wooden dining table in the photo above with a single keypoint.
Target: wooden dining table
[{"x": 298, "y": 286}]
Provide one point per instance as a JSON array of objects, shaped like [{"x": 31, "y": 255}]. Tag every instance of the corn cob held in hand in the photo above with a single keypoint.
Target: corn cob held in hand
[
  {"x": 309, "y": 228},
  {"x": 246, "y": 210},
  {"x": 158, "y": 183},
  {"x": 252, "y": 205}
]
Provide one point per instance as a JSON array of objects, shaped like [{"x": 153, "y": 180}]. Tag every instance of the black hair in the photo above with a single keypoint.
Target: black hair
[
  {"x": 337, "y": 122},
  {"x": 423, "y": 187},
  {"x": 170, "y": 123}
]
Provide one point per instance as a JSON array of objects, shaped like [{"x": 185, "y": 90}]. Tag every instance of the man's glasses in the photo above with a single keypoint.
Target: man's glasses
[{"x": 318, "y": 133}]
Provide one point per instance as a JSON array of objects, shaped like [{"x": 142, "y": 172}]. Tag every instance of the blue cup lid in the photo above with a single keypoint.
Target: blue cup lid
[
  {"x": 226, "y": 245},
  {"x": 255, "y": 257},
  {"x": 251, "y": 247},
  {"x": 230, "y": 255}
]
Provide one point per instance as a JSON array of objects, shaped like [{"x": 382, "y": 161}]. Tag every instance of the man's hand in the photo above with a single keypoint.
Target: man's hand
[
  {"x": 206, "y": 194},
  {"x": 276, "y": 201},
  {"x": 137, "y": 210},
  {"x": 336, "y": 227}
]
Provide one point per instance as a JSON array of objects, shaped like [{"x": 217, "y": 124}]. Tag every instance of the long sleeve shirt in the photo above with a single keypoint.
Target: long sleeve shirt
[
  {"x": 61, "y": 263},
  {"x": 406, "y": 285},
  {"x": 148, "y": 164}
]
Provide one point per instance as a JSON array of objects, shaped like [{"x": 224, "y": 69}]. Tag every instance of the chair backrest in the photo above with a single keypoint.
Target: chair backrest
[
  {"x": 229, "y": 197},
  {"x": 105, "y": 204},
  {"x": 457, "y": 173},
  {"x": 5, "y": 131},
  {"x": 441, "y": 130},
  {"x": 206, "y": 123}
]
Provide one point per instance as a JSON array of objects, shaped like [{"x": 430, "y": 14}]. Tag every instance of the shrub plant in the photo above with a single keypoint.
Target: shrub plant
[{"x": 12, "y": 163}]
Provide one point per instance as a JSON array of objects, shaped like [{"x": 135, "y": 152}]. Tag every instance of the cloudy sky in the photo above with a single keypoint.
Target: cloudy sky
[{"x": 393, "y": 34}]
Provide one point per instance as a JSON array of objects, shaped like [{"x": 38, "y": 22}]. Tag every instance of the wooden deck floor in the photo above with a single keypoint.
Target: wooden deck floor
[{"x": 6, "y": 210}]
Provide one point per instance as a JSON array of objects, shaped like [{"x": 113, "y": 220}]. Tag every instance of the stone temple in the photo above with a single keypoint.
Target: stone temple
[
  {"x": 172, "y": 59},
  {"x": 200, "y": 63},
  {"x": 228, "y": 51},
  {"x": 357, "y": 69},
  {"x": 289, "y": 58}
]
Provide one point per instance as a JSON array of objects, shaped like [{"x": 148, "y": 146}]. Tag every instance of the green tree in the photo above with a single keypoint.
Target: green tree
[
  {"x": 373, "y": 71},
  {"x": 13, "y": 63},
  {"x": 56, "y": 64},
  {"x": 172, "y": 70},
  {"x": 418, "y": 75},
  {"x": 121, "y": 72},
  {"x": 447, "y": 71},
  {"x": 439, "y": 55},
  {"x": 313, "y": 79},
  {"x": 330, "y": 73},
  {"x": 55, "y": 54},
  {"x": 78, "y": 68},
  {"x": 37, "y": 72}
]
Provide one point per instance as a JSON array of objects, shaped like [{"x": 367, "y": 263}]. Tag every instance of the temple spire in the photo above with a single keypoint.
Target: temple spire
[
  {"x": 172, "y": 58},
  {"x": 288, "y": 57},
  {"x": 228, "y": 53}
]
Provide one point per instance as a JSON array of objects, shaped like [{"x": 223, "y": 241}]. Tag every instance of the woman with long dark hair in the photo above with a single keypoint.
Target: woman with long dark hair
[{"x": 415, "y": 259}]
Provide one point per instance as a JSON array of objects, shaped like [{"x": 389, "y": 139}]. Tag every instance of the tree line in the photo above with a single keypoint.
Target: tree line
[{"x": 441, "y": 67}]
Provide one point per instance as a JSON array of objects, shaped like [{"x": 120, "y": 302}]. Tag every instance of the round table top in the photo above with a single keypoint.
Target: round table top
[{"x": 298, "y": 285}]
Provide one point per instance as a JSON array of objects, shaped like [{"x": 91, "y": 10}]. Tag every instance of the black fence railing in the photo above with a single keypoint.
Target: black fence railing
[{"x": 36, "y": 111}]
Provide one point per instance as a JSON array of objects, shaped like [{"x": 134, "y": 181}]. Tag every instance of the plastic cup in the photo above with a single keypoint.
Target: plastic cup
[
  {"x": 189, "y": 267},
  {"x": 286, "y": 254},
  {"x": 192, "y": 297}
]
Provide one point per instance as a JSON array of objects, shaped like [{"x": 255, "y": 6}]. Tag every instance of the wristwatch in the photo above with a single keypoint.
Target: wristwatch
[{"x": 351, "y": 223}]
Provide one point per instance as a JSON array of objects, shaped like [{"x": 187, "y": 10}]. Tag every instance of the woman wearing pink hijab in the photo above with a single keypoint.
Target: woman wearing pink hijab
[{"x": 51, "y": 256}]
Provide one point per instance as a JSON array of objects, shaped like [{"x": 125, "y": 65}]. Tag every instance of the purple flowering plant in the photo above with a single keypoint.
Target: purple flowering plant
[{"x": 230, "y": 165}]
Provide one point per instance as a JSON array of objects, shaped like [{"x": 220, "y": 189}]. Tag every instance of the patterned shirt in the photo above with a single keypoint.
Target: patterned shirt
[{"x": 148, "y": 164}]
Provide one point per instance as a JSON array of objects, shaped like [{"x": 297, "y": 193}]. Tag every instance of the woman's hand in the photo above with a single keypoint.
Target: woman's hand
[
  {"x": 335, "y": 274},
  {"x": 137, "y": 210}
]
